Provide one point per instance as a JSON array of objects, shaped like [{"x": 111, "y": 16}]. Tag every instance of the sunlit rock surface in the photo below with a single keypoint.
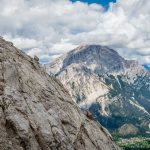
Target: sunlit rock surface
[{"x": 37, "y": 113}]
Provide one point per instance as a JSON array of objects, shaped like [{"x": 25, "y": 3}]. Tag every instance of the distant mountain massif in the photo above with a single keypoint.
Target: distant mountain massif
[{"x": 116, "y": 91}]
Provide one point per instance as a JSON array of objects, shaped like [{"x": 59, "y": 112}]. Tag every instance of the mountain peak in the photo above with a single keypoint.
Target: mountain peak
[
  {"x": 107, "y": 85},
  {"x": 92, "y": 47},
  {"x": 100, "y": 59}
]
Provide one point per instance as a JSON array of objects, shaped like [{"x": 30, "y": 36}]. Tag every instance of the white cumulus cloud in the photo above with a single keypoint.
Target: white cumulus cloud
[{"x": 49, "y": 28}]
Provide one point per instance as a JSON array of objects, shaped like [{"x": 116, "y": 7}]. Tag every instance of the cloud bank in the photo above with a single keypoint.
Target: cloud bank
[{"x": 49, "y": 28}]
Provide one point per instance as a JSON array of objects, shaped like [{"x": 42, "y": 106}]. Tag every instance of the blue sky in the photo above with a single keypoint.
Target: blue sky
[{"x": 104, "y": 3}]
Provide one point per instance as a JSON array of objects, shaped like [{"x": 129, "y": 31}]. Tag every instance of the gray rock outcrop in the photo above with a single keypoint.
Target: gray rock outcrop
[{"x": 37, "y": 113}]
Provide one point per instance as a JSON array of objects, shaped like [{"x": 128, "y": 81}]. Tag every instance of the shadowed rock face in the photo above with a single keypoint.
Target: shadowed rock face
[{"x": 37, "y": 113}]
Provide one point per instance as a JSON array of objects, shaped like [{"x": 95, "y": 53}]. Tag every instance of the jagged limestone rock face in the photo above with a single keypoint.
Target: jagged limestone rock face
[
  {"x": 116, "y": 91},
  {"x": 37, "y": 113}
]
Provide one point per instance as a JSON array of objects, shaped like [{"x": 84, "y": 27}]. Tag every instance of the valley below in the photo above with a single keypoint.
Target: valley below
[{"x": 136, "y": 143}]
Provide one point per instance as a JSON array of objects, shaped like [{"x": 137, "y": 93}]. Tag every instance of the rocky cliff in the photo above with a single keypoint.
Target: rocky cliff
[
  {"x": 37, "y": 113},
  {"x": 115, "y": 90}
]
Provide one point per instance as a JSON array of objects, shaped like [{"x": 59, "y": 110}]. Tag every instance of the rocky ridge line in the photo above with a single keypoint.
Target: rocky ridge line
[{"x": 37, "y": 113}]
